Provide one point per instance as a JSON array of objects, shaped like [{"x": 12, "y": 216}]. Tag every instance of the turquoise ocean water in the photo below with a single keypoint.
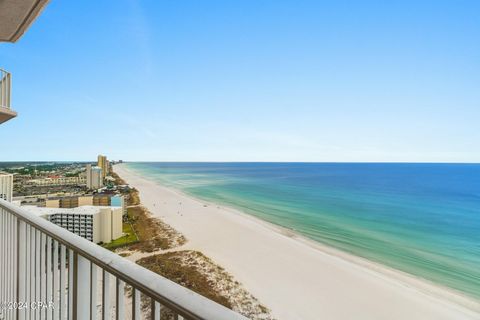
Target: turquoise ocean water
[{"x": 423, "y": 219}]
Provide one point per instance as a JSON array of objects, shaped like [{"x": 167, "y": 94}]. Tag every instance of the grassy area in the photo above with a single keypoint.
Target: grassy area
[
  {"x": 171, "y": 266},
  {"x": 195, "y": 271},
  {"x": 128, "y": 239},
  {"x": 153, "y": 234},
  {"x": 118, "y": 180},
  {"x": 132, "y": 196}
]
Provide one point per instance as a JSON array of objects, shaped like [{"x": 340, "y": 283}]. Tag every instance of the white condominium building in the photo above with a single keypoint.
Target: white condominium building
[
  {"x": 94, "y": 177},
  {"x": 6, "y": 186},
  {"x": 94, "y": 223}
]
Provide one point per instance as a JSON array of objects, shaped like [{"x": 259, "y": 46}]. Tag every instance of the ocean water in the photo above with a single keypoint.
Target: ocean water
[{"x": 423, "y": 219}]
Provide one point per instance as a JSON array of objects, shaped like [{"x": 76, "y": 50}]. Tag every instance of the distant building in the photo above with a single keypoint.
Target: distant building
[
  {"x": 97, "y": 224},
  {"x": 58, "y": 181},
  {"x": 101, "y": 200},
  {"x": 85, "y": 201},
  {"x": 88, "y": 200},
  {"x": 94, "y": 177},
  {"x": 52, "y": 203},
  {"x": 6, "y": 186},
  {"x": 103, "y": 163}
]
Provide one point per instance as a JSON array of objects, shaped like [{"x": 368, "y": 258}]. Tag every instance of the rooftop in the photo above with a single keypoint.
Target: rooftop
[{"x": 85, "y": 210}]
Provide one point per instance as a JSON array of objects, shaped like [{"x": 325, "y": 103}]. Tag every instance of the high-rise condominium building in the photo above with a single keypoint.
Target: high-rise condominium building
[
  {"x": 6, "y": 186},
  {"x": 103, "y": 163},
  {"x": 94, "y": 177}
]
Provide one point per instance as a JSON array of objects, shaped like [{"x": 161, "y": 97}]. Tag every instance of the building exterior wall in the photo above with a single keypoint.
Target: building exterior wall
[
  {"x": 117, "y": 223},
  {"x": 94, "y": 177},
  {"x": 118, "y": 201},
  {"x": 105, "y": 225},
  {"x": 97, "y": 177},
  {"x": 66, "y": 202},
  {"x": 6, "y": 186},
  {"x": 88, "y": 175},
  {"x": 70, "y": 202},
  {"x": 101, "y": 201},
  {"x": 88, "y": 200},
  {"x": 54, "y": 203},
  {"x": 60, "y": 181},
  {"x": 96, "y": 228},
  {"x": 80, "y": 224},
  {"x": 85, "y": 201},
  {"x": 102, "y": 224},
  {"x": 102, "y": 162}
]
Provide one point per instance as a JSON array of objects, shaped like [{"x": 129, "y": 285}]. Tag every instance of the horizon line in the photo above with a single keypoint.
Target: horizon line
[{"x": 240, "y": 161}]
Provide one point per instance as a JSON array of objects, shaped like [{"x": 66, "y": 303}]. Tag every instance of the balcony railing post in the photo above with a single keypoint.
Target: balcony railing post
[
  {"x": 5, "y": 89},
  {"x": 2, "y": 261},
  {"x": 81, "y": 297},
  {"x": 9, "y": 90},
  {"x": 21, "y": 271}
]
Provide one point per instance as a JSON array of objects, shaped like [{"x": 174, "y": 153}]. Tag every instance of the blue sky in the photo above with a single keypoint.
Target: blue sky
[{"x": 259, "y": 80}]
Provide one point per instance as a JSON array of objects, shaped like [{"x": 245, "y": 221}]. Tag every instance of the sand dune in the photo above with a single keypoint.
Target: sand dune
[{"x": 294, "y": 277}]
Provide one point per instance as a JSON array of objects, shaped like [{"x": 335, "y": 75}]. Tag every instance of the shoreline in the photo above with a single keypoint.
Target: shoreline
[
  {"x": 424, "y": 285},
  {"x": 426, "y": 294}
]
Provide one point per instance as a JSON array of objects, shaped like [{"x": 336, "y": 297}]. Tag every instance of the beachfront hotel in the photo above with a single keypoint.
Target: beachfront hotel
[
  {"x": 87, "y": 200},
  {"x": 57, "y": 274},
  {"x": 99, "y": 224}
]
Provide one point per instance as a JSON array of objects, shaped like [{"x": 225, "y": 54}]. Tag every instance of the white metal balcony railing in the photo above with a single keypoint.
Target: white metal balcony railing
[
  {"x": 5, "y": 89},
  {"x": 46, "y": 272}
]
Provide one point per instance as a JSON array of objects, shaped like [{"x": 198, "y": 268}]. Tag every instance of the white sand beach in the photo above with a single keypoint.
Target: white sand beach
[{"x": 294, "y": 277}]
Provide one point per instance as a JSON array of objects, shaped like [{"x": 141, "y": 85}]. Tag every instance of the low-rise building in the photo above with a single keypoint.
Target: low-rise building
[
  {"x": 87, "y": 200},
  {"x": 95, "y": 223},
  {"x": 52, "y": 203},
  {"x": 58, "y": 181}
]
